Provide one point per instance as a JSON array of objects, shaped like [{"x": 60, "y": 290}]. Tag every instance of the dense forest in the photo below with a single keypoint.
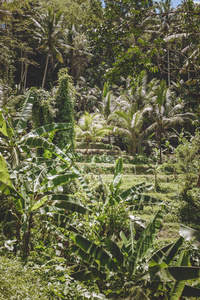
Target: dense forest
[{"x": 99, "y": 149}]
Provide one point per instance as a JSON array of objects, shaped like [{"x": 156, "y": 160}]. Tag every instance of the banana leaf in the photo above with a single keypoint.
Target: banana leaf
[
  {"x": 189, "y": 233},
  {"x": 53, "y": 181},
  {"x": 40, "y": 142},
  {"x": 166, "y": 254},
  {"x": 5, "y": 129},
  {"x": 146, "y": 240},
  {"x": 115, "y": 251},
  {"x": 179, "y": 273},
  {"x": 190, "y": 291},
  {"x": 178, "y": 287},
  {"x": 49, "y": 128},
  {"x": 23, "y": 116},
  {"x": 100, "y": 256}
]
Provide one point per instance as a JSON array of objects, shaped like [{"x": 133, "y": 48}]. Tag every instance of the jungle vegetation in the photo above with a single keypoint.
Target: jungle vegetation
[{"x": 99, "y": 149}]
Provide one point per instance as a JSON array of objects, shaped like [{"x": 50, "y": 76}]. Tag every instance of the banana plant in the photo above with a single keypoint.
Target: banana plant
[
  {"x": 125, "y": 257},
  {"x": 167, "y": 267},
  {"x": 12, "y": 130},
  {"x": 33, "y": 183},
  {"x": 35, "y": 188},
  {"x": 134, "y": 197},
  {"x": 134, "y": 260}
]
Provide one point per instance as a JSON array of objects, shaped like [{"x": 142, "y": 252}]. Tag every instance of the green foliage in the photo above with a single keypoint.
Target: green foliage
[
  {"x": 39, "y": 279},
  {"x": 33, "y": 178},
  {"x": 91, "y": 127},
  {"x": 189, "y": 209},
  {"x": 186, "y": 155},
  {"x": 64, "y": 104},
  {"x": 21, "y": 282},
  {"x": 43, "y": 107}
]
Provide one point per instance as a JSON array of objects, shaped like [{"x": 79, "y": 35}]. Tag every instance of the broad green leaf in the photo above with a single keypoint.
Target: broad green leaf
[
  {"x": 68, "y": 203},
  {"x": 123, "y": 237},
  {"x": 4, "y": 174},
  {"x": 177, "y": 290},
  {"x": 134, "y": 190},
  {"x": 85, "y": 187},
  {"x": 83, "y": 255},
  {"x": 58, "y": 215},
  {"x": 39, "y": 203},
  {"x": 146, "y": 240},
  {"x": 5, "y": 129},
  {"x": 14, "y": 157},
  {"x": 6, "y": 189},
  {"x": 167, "y": 253},
  {"x": 57, "y": 180},
  {"x": 49, "y": 128},
  {"x": 178, "y": 287},
  {"x": 115, "y": 251},
  {"x": 85, "y": 275},
  {"x": 184, "y": 273},
  {"x": 118, "y": 173},
  {"x": 139, "y": 200},
  {"x": 96, "y": 252},
  {"x": 40, "y": 142},
  {"x": 171, "y": 274},
  {"x": 190, "y": 291},
  {"x": 189, "y": 233},
  {"x": 137, "y": 294},
  {"x": 22, "y": 117}
]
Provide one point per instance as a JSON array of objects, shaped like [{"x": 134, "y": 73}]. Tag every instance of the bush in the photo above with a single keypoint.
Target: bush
[{"x": 190, "y": 209}]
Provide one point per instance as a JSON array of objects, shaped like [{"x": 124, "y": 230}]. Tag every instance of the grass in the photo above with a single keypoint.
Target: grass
[{"x": 19, "y": 282}]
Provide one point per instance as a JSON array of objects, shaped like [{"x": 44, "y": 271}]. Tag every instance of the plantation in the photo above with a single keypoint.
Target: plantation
[{"x": 99, "y": 150}]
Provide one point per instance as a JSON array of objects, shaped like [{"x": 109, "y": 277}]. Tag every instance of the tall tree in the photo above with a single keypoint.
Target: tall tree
[
  {"x": 116, "y": 41},
  {"x": 49, "y": 32}
]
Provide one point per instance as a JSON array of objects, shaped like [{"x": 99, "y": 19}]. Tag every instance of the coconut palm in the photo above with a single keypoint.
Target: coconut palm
[
  {"x": 129, "y": 124},
  {"x": 109, "y": 101},
  {"x": 164, "y": 114},
  {"x": 50, "y": 34},
  {"x": 91, "y": 127},
  {"x": 140, "y": 91},
  {"x": 130, "y": 109}
]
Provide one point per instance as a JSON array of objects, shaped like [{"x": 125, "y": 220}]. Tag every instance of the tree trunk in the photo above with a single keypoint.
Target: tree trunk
[
  {"x": 45, "y": 71},
  {"x": 87, "y": 146},
  {"x": 26, "y": 238},
  {"x": 198, "y": 181},
  {"x": 168, "y": 67}
]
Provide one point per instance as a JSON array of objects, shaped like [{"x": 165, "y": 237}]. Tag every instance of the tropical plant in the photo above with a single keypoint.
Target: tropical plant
[
  {"x": 187, "y": 162},
  {"x": 175, "y": 270},
  {"x": 91, "y": 127},
  {"x": 128, "y": 123},
  {"x": 43, "y": 111},
  {"x": 64, "y": 105},
  {"x": 49, "y": 32},
  {"x": 32, "y": 183},
  {"x": 165, "y": 114},
  {"x": 87, "y": 97}
]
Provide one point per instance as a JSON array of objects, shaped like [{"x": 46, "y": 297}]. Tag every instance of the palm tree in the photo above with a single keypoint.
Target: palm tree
[
  {"x": 79, "y": 53},
  {"x": 129, "y": 110},
  {"x": 49, "y": 32},
  {"x": 91, "y": 127},
  {"x": 129, "y": 124},
  {"x": 165, "y": 114}
]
